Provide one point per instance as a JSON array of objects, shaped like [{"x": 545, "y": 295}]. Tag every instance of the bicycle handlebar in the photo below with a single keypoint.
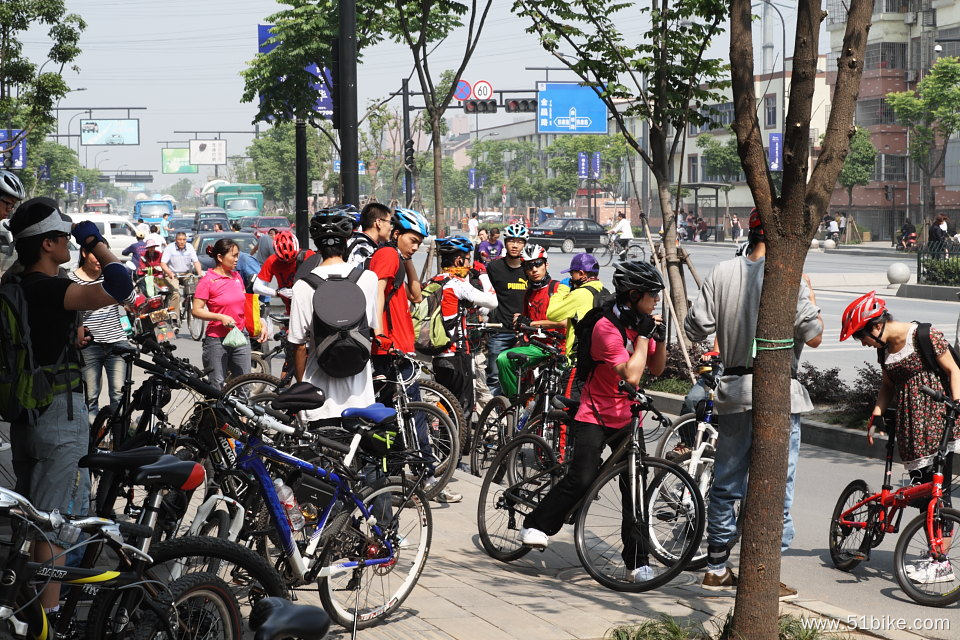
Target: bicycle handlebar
[
  {"x": 939, "y": 397},
  {"x": 258, "y": 415}
]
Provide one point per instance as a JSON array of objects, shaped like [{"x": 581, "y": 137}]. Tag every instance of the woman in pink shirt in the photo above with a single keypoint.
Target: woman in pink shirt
[
  {"x": 220, "y": 299},
  {"x": 625, "y": 341}
]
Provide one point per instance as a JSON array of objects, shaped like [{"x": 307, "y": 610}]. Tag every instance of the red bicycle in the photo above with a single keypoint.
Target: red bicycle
[{"x": 923, "y": 566}]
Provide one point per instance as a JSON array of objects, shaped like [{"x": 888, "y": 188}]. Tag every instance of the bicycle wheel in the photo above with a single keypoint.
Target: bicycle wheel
[
  {"x": 849, "y": 543},
  {"x": 604, "y": 254},
  {"x": 435, "y": 393},
  {"x": 610, "y": 547},
  {"x": 258, "y": 365},
  {"x": 554, "y": 428},
  {"x": 702, "y": 475},
  {"x": 201, "y": 607},
  {"x": 636, "y": 253},
  {"x": 687, "y": 423},
  {"x": 487, "y": 435},
  {"x": 933, "y": 584},
  {"x": 444, "y": 442},
  {"x": 521, "y": 474},
  {"x": 196, "y": 326},
  {"x": 404, "y": 516},
  {"x": 251, "y": 384}
]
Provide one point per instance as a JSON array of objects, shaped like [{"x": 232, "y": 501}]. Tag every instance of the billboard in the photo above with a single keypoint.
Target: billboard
[
  {"x": 208, "y": 152},
  {"x": 176, "y": 161},
  {"x": 567, "y": 107},
  {"x": 15, "y": 158},
  {"x": 103, "y": 132}
]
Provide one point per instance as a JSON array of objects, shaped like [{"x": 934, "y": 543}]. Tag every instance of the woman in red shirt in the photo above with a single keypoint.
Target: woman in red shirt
[{"x": 219, "y": 299}]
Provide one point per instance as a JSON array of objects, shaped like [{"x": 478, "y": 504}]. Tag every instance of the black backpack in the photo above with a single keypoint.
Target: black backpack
[
  {"x": 928, "y": 354},
  {"x": 601, "y": 296},
  {"x": 340, "y": 328},
  {"x": 584, "y": 338}
]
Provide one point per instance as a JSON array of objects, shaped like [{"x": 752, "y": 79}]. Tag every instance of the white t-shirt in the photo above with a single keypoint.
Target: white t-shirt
[
  {"x": 341, "y": 393},
  {"x": 623, "y": 229},
  {"x": 473, "y": 227},
  {"x": 833, "y": 227},
  {"x": 156, "y": 237}
]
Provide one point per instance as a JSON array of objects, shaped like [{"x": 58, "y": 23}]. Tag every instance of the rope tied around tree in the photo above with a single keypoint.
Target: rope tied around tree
[{"x": 785, "y": 344}]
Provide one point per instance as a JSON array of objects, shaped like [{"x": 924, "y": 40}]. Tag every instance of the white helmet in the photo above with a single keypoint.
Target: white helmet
[
  {"x": 10, "y": 185},
  {"x": 533, "y": 252}
]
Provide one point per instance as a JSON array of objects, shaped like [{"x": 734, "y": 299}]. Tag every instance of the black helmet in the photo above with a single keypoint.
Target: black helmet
[
  {"x": 637, "y": 276},
  {"x": 335, "y": 224}
]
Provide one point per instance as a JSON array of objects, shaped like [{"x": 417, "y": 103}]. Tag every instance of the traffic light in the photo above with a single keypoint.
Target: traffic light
[
  {"x": 408, "y": 154},
  {"x": 479, "y": 106},
  {"x": 515, "y": 105}
]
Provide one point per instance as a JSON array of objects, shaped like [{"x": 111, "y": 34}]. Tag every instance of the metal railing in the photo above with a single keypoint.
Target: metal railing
[{"x": 939, "y": 263}]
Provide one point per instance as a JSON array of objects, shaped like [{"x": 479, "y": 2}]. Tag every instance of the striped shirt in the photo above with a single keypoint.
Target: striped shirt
[{"x": 103, "y": 323}]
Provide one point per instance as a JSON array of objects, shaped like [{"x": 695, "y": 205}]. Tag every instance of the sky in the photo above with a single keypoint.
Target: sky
[{"x": 181, "y": 59}]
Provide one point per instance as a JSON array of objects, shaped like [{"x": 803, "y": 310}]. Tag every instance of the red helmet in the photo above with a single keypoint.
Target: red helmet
[
  {"x": 860, "y": 312},
  {"x": 756, "y": 224},
  {"x": 286, "y": 246}
]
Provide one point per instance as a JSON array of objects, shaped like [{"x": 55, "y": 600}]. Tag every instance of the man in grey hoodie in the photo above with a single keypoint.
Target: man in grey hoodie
[{"x": 728, "y": 305}]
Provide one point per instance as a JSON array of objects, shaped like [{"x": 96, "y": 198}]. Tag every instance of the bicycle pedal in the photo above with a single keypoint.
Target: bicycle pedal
[{"x": 860, "y": 556}]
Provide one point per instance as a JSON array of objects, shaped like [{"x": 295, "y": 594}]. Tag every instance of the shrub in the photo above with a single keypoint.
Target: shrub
[
  {"x": 676, "y": 367},
  {"x": 862, "y": 396},
  {"x": 824, "y": 386},
  {"x": 944, "y": 271}
]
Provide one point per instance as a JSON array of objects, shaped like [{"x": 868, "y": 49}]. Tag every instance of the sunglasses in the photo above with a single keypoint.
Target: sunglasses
[
  {"x": 59, "y": 234},
  {"x": 862, "y": 334}
]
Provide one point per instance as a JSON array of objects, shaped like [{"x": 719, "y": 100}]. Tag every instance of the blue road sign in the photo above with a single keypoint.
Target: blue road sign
[
  {"x": 472, "y": 173},
  {"x": 44, "y": 172},
  {"x": 361, "y": 167},
  {"x": 595, "y": 165},
  {"x": 336, "y": 166},
  {"x": 582, "y": 165},
  {"x": 481, "y": 181},
  {"x": 775, "y": 154},
  {"x": 18, "y": 155},
  {"x": 324, "y": 104},
  {"x": 463, "y": 90},
  {"x": 567, "y": 107}
]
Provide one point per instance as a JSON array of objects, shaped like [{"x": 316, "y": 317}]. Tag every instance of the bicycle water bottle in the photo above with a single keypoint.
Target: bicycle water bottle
[{"x": 294, "y": 515}]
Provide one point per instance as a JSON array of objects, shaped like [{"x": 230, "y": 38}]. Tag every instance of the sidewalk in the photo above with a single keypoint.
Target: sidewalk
[
  {"x": 880, "y": 248},
  {"x": 463, "y": 594}
]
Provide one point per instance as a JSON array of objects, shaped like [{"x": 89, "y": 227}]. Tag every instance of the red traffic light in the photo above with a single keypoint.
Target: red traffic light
[
  {"x": 516, "y": 105},
  {"x": 479, "y": 106}
]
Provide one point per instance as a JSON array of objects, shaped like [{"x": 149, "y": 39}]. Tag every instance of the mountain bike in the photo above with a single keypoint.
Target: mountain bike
[
  {"x": 922, "y": 560},
  {"x": 613, "y": 251},
  {"x": 638, "y": 508}
]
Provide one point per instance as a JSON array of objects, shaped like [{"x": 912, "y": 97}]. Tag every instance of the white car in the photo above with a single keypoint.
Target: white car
[{"x": 118, "y": 231}]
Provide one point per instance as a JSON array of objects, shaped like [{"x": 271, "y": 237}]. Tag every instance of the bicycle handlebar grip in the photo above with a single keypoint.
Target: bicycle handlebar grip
[
  {"x": 936, "y": 395},
  {"x": 279, "y": 415},
  {"x": 332, "y": 444},
  {"x": 135, "y": 530}
]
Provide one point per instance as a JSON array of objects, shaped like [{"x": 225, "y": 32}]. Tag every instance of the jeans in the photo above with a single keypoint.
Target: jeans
[
  {"x": 220, "y": 360},
  {"x": 496, "y": 344},
  {"x": 381, "y": 367},
  {"x": 730, "y": 469},
  {"x": 456, "y": 374},
  {"x": 97, "y": 357}
]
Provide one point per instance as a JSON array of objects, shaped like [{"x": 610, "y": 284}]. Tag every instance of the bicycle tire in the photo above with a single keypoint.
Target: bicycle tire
[
  {"x": 703, "y": 479},
  {"x": 525, "y": 460},
  {"x": 636, "y": 253},
  {"x": 354, "y": 541},
  {"x": 900, "y": 559},
  {"x": 845, "y": 558},
  {"x": 217, "y": 525},
  {"x": 487, "y": 438},
  {"x": 671, "y": 436},
  {"x": 195, "y": 325},
  {"x": 691, "y": 534},
  {"x": 188, "y": 621},
  {"x": 252, "y": 384},
  {"x": 258, "y": 364},
  {"x": 604, "y": 254},
  {"x": 448, "y": 403},
  {"x": 548, "y": 426},
  {"x": 444, "y": 442}
]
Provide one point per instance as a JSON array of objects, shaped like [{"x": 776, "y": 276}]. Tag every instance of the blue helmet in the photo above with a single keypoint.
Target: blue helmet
[
  {"x": 454, "y": 244},
  {"x": 410, "y": 220}
]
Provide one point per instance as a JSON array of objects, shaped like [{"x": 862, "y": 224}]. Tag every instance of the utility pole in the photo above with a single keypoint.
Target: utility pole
[
  {"x": 300, "y": 183},
  {"x": 347, "y": 92},
  {"x": 407, "y": 168}
]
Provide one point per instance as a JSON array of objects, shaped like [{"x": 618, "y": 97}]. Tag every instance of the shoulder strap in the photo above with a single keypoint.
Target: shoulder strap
[
  {"x": 355, "y": 274},
  {"x": 925, "y": 345},
  {"x": 313, "y": 280},
  {"x": 554, "y": 285},
  {"x": 615, "y": 321}
]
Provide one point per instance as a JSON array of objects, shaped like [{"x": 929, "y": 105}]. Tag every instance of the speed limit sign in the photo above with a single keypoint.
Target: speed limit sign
[{"x": 482, "y": 90}]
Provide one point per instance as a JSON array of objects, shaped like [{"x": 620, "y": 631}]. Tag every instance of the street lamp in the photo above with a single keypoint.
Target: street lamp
[
  {"x": 97, "y": 156},
  {"x": 70, "y": 122}
]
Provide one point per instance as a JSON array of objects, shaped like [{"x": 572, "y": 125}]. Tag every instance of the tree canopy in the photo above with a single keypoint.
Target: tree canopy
[{"x": 859, "y": 165}]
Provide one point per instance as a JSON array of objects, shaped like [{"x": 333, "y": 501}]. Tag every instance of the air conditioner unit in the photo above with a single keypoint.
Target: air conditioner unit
[
  {"x": 910, "y": 18},
  {"x": 930, "y": 18}
]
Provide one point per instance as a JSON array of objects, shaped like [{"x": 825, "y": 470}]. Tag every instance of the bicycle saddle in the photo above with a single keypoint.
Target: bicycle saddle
[
  {"x": 276, "y": 618},
  {"x": 563, "y": 403},
  {"x": 123, "y": 349},
  {"x": 171, "y": 471},
  {"x": 121, "y": 460},
  {"x": 517, "y": 357},
  {"x": 299, "y": 397},
  {"x": 375, "y": 413}
]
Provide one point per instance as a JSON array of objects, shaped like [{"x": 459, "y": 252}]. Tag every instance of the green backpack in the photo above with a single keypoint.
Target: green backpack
[
  {"x": 25, "y": 388},
  {"x": 430, "y": 335}
]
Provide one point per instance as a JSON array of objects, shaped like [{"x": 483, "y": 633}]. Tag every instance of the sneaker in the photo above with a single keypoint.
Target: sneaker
[
  {"x": 534, "y": 538},
  {"x": 933, "y": 572},
  {"x": 642, "y": 574},
  {"x": 787, "y": 593},
  {"x": 919, "y": 566},
  {"x": 447, "y": 495},
  {"x": 719, "y": 582}
]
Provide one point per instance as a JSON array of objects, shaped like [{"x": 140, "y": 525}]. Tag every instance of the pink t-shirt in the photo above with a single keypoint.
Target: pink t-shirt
[
  {"x": 601, "y": 394},
  {"x": 224, "y": 294}
]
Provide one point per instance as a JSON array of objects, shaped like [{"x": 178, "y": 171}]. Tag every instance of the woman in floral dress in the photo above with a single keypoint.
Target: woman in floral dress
[{"x": 920, "y": 420}]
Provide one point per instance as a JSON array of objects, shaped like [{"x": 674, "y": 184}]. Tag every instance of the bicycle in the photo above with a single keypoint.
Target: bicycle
[
  {"x": 196, "y": 326},
  {"x": 614, "y": 250},
  {"x": 645, "y": 505},
  {"x": 276, "y": 619},
  {"x": 861, "y": 519}
]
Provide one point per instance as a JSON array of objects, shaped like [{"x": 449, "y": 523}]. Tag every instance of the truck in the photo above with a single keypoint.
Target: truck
[
  {"x": 151, "y": 211},
  {"x": 239, "y": 200},
  {"x": 97, "y": 206}
]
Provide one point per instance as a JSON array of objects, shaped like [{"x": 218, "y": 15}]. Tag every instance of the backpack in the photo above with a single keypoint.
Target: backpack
[
  {"x": 584, "y": 338},
  {"x": 430, "y": 335},
  {"x": 340, "y": 328},
  {"x": 24, "y": 386},
  {"x": 928, "y": 355},
  {"x": 395, "y": 286},
  {"x": 601, "y": 296}
]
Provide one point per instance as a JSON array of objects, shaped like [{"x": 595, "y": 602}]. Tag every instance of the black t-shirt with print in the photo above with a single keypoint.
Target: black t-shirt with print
[
  {"x": 510, "y": 285},
  {"x": 51, "y": 326}
]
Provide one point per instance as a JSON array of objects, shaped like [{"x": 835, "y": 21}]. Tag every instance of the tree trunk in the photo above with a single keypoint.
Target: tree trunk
[
  {"x": 437, "y": 174},
  {"x": 926, "y": 193},
  {"x": 678, "y": 291},
  {"x": 849, "y": 196}
]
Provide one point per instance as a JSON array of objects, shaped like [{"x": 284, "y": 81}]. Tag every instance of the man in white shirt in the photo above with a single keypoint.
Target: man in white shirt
[
  {"x": 330, "y": 233},
  {"x": 622, "y": 232},
  {"x": 473, "y": 227}
]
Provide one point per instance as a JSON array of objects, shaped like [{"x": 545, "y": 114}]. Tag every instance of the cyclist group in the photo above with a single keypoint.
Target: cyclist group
[{"x": 351, "y": 307}]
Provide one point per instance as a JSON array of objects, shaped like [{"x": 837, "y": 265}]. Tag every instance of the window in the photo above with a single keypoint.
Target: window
[
  {"x": 890, "y": 6},
  {"x": 872, "y": 111},
  {"x": 593, "y": 227},
  {"x": 120, "y": 229},
  {"x": 693, "y": 168},
  {"x": 721, "y": 115},
  {"x": 950, "y": 48},
  {"x": 576, "y": 226},
  {"x": 890, "y": 168},
  {"x": 770, "y": 111},
  {"x": 886, "y": 55}
]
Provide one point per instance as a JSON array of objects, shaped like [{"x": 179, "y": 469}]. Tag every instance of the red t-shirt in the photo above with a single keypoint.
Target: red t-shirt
[
  {"x": 601, "y": 394},
  {"x": 385, "y": 263},
  {"x": 284, "y": 272},
  {"x": 223, "y": 294}
]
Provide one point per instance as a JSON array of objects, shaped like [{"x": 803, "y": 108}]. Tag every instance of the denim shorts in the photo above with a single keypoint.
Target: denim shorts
[{"x": 46, "y": 455}]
